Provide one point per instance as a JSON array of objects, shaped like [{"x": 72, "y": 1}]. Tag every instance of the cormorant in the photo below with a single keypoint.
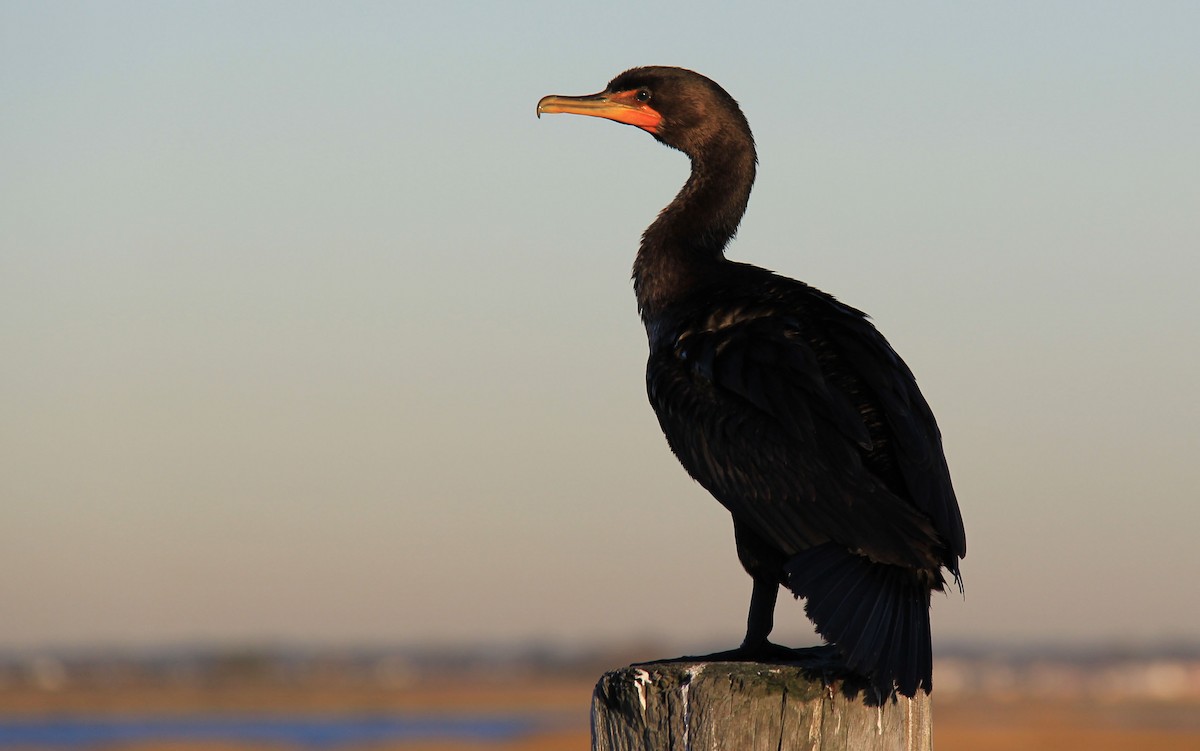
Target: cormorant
[{"x": 786, "y": 405}]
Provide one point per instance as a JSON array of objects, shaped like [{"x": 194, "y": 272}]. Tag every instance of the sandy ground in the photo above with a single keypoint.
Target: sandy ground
[{"x": 992, "y": 724}]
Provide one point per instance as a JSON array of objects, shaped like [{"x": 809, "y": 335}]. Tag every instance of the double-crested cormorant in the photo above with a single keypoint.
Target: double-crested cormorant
[{"x": 786, "y": 405}]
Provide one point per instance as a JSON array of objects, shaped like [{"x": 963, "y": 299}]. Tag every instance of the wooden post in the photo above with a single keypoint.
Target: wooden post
[{"x": 688, "y": 705}]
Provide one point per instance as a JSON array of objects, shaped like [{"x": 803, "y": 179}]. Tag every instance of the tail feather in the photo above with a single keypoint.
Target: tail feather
[
  {"x": 877, "y": 615},
  {"x": 837, "y": 611},
  {"x": 874, "y": 613}
]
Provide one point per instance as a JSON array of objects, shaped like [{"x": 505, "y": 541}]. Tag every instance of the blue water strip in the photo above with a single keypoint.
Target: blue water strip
[{"x": 307, "y": 731}]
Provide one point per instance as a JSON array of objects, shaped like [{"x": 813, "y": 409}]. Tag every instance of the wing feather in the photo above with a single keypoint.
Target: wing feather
[{"x": 810, "y": 432}]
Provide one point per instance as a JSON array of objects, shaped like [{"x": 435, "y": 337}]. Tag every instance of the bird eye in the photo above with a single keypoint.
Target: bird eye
[{"x": 642, "y": 95}]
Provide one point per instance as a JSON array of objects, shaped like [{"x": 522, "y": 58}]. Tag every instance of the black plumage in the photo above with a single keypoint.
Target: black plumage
[{"x": 785, "y": 404}]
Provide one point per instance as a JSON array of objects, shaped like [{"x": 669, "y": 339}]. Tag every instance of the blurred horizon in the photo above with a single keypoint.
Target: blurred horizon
[
  {"x": 533, "y": 648},
  {"x": 314, "y": 333}
]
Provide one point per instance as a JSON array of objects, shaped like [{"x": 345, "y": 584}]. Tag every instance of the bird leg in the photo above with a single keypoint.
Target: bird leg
[
  {"x": 761, "y": 618},
  {"x": 759, "y": 622},
  {"x": 756, "y": 647}
]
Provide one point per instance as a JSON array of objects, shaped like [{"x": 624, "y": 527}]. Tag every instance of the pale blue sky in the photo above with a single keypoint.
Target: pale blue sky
[{"x": 312, "y": 332}]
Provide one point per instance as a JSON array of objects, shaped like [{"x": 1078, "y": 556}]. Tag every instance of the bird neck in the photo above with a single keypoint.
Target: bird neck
[{"x": 686, "y": 243}]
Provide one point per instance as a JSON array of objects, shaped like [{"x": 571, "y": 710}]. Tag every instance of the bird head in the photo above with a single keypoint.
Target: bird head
[{"x": 679, "y": 107}]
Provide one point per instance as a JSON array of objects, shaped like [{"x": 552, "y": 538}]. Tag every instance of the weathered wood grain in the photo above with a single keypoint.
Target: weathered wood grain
[{"x": 736, "y": 706}]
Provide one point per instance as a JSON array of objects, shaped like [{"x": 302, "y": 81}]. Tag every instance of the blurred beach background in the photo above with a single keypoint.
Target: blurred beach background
[{"x": 323, "y": 420}]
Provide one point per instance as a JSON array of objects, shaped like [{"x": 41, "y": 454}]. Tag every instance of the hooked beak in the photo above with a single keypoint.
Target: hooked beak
[{"x": 621, "y": 107}]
